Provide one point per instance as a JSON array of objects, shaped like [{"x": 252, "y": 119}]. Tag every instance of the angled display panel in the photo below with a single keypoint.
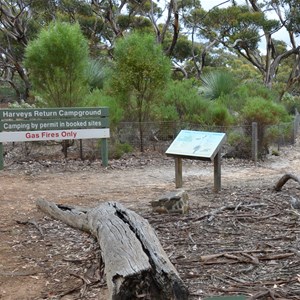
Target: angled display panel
[{"x": 197, "y": 144}]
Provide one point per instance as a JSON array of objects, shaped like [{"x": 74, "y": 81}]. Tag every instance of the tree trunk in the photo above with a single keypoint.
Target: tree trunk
[
  {"x": 135, "y": 262},
  {"x": 141, "y": 131}
]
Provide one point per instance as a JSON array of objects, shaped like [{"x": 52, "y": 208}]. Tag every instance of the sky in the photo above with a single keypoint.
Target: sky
[{"x": 208, "y": 4}]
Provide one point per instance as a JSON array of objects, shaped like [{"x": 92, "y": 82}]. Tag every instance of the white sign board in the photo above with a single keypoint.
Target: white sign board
[{"x": 195, "y": 144}]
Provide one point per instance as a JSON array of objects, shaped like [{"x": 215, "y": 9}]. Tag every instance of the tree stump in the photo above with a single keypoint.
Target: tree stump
[{"x": 135, "y": 262}]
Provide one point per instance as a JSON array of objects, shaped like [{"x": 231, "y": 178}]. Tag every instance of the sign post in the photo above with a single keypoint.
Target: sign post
[
  {"x": 178, "y": 172},
  {"x": 1, "y": 157},
  {"x": 43, "y": 124},
  {"x": 104, "y": 151},
  {"x": 198, "y": 145}
]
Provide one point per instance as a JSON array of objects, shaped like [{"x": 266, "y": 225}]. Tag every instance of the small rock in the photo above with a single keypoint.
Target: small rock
[
  {"x": 295, "y": 203},
  {"x": 172, "y": 202}
]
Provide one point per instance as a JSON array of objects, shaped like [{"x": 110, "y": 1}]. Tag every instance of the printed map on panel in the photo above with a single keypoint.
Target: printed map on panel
[{"x": 196, "y": 144}]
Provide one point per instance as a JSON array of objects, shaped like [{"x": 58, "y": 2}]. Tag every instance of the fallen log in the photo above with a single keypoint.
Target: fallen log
[
  {"x": 135, "y": 262},
  {"x": 283, "y": 180}
]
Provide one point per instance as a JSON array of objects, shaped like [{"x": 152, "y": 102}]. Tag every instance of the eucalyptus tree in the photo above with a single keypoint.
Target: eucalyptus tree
[
  {"x": 14, "y": 19},
  {"x": 288, "y": 12},
  {"x": 241, "y": 29},
  {"x": 288, "y": 21},
  {"x": 193, "y": 19},
  {"x": 121, "y": 16}
]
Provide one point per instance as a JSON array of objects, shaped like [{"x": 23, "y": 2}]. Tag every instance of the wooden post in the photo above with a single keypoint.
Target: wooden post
[
  {"x": 104, "y": 152},
  {"x": 254, "y": 142},
  {"x": 1, "y": 157},
  {"x": 178, "y": 172},
  {"x": 80, "y": 149},
  {"x": 217, "y": 172}
]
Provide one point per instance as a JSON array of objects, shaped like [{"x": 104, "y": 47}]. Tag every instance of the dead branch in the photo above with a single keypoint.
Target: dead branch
[
  {"x": 18, "y": 273},
  {"x": 211, "y": 215},
  {"x": 215, "y": 258},
  {"x": 34, "y": 223},
  {"x": 282, "y": 181}
]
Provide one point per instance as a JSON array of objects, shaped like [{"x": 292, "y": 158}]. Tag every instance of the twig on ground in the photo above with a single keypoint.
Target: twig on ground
[
  {"x": 34, "y": 223},
  {"x": 211, "y": 215}
]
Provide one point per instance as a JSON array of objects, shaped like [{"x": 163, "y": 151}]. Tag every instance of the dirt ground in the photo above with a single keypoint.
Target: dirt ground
[{"x": 252, "y": 230}]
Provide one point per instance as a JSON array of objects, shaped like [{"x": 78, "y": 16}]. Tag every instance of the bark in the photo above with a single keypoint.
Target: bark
[
  {"x": 176, "y": 31},
  {"x": 135, "y": 262}
]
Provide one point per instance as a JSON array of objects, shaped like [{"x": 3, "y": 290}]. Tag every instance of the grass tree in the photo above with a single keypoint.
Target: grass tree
[
  {"x": 217, "y": 84},
  {"x": 140, "y": 73},
  {"x": 57, "y": 61}
]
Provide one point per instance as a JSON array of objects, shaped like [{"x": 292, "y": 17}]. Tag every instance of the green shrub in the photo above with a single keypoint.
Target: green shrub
[
  {"x": 263, "y": 112},
  {"x": 98, "y": 98},
  {"x": 119, "y": 149},
  {"x": 166, "y": 112},
  {"x": 57, "y": 61},
  {"x": 232, "y": 103},
  {"x": 181, "y": 102},
  {"x": 21, "y": 104},
  {"x": 197, "y": 110},
  {"x": 279, "y": 134},
  {"x": 253, "y": 89},
  {"x": 291, "y": 103},
  {"x": 218, "y": 115},
  {"x": 240, "y": 145}
]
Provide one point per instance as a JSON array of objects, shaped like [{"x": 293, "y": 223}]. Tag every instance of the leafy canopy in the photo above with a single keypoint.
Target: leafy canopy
[{"x": 140, "y": 74}]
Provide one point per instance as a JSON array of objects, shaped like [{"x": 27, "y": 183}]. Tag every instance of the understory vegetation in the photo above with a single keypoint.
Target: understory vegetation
[{"x": 71, "y": 56}]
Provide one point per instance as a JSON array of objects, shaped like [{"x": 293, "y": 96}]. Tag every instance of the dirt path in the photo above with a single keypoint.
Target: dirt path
[{"x": 25, "y": 258}]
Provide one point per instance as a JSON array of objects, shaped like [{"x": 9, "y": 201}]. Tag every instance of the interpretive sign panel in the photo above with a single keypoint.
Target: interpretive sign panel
[
  {"x": 197, "y": 145},
  {"x": 42, "y": 124}
]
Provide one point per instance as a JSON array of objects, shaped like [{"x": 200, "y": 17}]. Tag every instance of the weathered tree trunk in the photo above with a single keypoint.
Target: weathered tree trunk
[
  {"x": 135, "y": 262},
  {"x": 282, "y": 181}
]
